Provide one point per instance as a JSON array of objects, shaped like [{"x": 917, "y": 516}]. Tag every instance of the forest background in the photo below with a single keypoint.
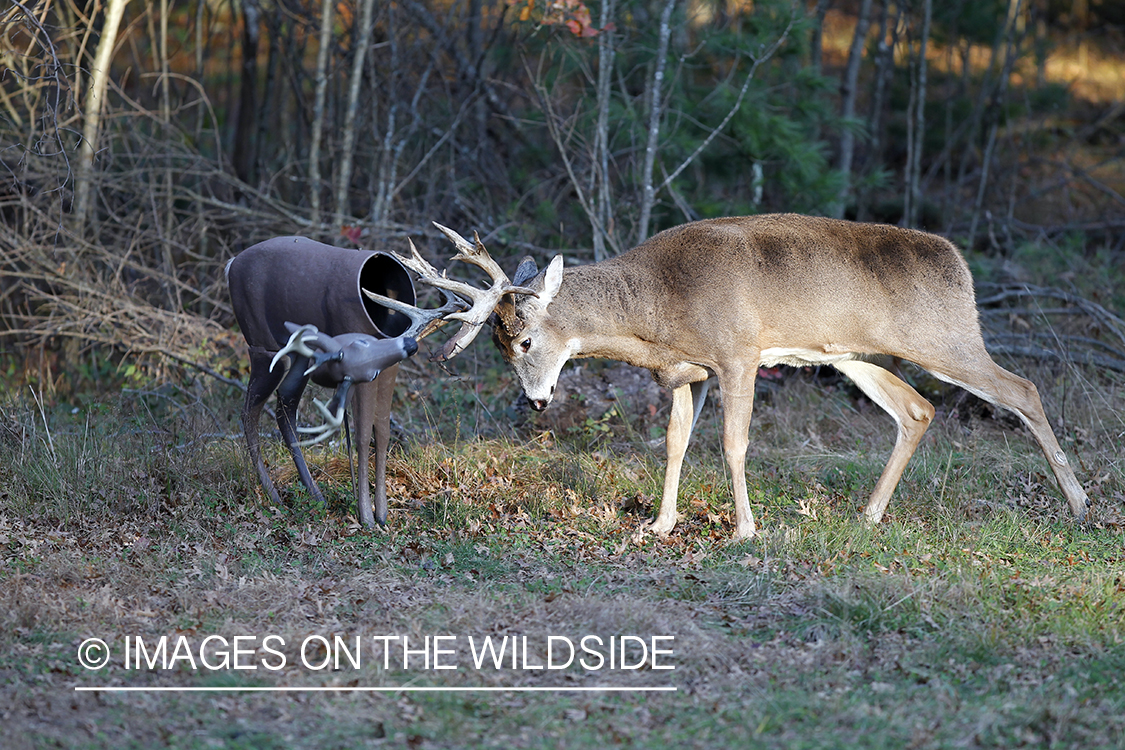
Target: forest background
[{"x": 144, "y": 143}]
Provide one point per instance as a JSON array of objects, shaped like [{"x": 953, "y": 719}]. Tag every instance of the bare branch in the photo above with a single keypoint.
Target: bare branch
[
  {"x": 1104, "y": 317},
  {"x": 762, "y": 57}
]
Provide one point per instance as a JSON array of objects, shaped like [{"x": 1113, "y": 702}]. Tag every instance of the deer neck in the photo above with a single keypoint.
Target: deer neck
[{"x": 611, "y": 310}]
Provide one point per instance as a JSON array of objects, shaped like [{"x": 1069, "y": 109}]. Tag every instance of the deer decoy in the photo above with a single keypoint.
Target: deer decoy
[
  {"x": 302, "y": 282},
  {"x": 721, "y": 297},
  {"x": 338, "y": 362}
]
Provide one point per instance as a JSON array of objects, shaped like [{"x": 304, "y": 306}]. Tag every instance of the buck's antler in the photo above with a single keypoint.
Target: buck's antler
[
  {"x": 479, "y": 302},
  {"x": 333, "y": 417},
  {"x": 483, "y": 301},
  {"x": 299, "y": 343},
  {"x": 424, "y": 322}
]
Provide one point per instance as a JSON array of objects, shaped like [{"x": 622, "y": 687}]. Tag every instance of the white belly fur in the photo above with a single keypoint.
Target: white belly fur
[{"x": 802, "y": 357}]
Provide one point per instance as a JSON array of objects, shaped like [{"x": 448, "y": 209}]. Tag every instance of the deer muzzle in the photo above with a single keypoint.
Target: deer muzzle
[{"x": 539, "y": 404}]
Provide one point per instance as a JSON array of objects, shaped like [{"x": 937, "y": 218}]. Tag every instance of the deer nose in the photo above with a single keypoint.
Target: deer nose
[{"x": 539, "y": 404}]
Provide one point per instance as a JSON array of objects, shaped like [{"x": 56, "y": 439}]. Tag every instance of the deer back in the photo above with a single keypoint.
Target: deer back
[{"x": 711, "y": 291}]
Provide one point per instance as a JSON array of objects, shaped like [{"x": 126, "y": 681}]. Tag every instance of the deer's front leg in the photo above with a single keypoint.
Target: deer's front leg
[
  {"x": 738, "y": 405},
  {"x": 365, "y": 406},
  {"x": 385, "y": 386},
  {"x": 676, "y": 441},
  {"x": 288, "y": 398}
]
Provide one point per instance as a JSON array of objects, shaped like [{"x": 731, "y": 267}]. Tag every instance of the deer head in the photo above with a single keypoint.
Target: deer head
[
  {"x": 517, "y": 309},
  {"x": 526, "y": 335},
  {"x": 340, "y": 361}
]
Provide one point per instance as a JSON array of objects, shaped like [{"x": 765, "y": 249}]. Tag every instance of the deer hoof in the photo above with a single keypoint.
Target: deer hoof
[
  {"x": 660, "y": 528},
  {"x": 1079, "y": 511},
  {"x": 744, "y": 534}
]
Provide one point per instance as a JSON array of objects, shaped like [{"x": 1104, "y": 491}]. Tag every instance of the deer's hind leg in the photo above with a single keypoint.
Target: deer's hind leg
[
  {"x": 982, "y": 377},
  {"x": 912, "y": 413},
  {"x": 261, "y": 384}
]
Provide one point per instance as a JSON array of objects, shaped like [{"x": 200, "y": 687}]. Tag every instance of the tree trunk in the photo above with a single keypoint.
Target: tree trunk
[
  {"x": 851, "y": 78},
  {"x": 1010, "y": 54},
  {"x": 318, "y": 108},
  {"x": 169, "y": 178},
  {"x": 988, "y": 90},
  {"x": 273, "y": 94},
  {"x": 655, "y": 111},
  {"x": 816, "y": 42},
  {"x": 200, "y": 113},
  {"x": 601, "y": 190},
  {"x": 914, "y": 164},
  {"x": 245, "y": 144},
  {"x": 387, "y": 172},
  {"x": 884, "y": 71},
  {"x": 95, "y": 98},
  {"x": 347, "y": 155}
]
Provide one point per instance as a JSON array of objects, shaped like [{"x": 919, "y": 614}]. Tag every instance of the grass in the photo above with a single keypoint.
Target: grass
[{"x": 977, "y": 615}]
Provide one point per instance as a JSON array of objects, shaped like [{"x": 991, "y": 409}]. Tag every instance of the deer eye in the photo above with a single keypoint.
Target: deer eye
[{"x": 525, "y": 345}]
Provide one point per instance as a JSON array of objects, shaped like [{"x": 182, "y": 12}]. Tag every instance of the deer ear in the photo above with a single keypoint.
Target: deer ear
[
  {"x": 552, "y": 279},
  {"x": 526, "y": 271}
]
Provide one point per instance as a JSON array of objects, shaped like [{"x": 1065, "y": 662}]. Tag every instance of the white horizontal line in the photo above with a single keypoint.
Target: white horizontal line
[{"x": 323, "y": 689}]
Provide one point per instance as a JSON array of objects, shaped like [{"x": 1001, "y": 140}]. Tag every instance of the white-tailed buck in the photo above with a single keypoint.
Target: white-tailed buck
[
  {"x": 307, "y": 301},
  {"x": 723, "y": 297}
]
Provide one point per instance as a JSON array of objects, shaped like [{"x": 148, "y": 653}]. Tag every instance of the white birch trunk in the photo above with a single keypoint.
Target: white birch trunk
[
  {"x": 318, "y": 108},
  {"x": 656, "y": 95},
  {"x": 92, "y": 111},
  {"x": 348, "y": 147}
]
